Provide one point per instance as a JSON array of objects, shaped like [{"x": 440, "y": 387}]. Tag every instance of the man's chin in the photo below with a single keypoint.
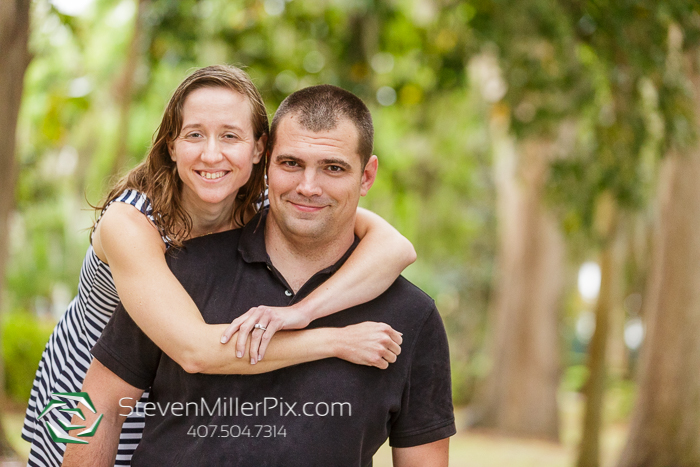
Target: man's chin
[{"x": 305, "y": 225}]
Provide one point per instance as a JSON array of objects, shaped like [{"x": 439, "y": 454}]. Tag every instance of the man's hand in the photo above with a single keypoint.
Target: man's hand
[
  {"x": 369, "y": 343},
  {"x": 106, "y": 390},
  {"x": 261, "y": 323},
  {"x": 435, "y": 454}
]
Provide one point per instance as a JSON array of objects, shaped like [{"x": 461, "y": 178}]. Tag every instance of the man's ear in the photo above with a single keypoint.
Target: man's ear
[
  {"x": 369, "y": 175},
  {"x": 260, "y": 146}
]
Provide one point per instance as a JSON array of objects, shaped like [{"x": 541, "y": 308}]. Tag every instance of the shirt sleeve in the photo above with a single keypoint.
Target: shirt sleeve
[
  {"x": 126, "y": 351},
  {"x": 426, "y": 414}
]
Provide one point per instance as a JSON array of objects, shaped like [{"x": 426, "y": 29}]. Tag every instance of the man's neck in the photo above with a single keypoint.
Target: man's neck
[{"x": 298, "y": 259}]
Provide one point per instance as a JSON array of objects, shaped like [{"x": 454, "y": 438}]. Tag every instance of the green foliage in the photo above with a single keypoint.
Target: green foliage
[
  {"x": 620, "y": 397},
  {"x": 639, "y": 108},
  {"x": 462, "y": 383},
  {"x": 575, "y": 376},
  {"x": 24, "y": 339}
]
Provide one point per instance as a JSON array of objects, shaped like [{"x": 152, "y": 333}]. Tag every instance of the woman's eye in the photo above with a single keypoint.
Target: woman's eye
[
  {"x": 230, "y": 136},
  {"x": 194, "y": 134}
]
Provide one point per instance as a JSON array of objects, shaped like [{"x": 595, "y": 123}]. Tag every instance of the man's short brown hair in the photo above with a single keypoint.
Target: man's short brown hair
[{"x": 320, "y": 108}]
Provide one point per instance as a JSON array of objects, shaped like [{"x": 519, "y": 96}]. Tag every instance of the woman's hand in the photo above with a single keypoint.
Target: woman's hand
[
  {"x": 370, "y": 343},
  {"x": 261, "y": 323}
]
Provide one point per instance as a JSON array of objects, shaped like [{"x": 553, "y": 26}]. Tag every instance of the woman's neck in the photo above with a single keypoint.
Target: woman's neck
[{"x": 208, "y": 218}]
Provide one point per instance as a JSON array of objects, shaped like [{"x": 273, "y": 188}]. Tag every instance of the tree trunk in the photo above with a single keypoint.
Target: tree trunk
[
  {"x": 617, "y": 356},
  {"x": 125, "y": 89},
  {"x": 520, "y": 395},
  {"x": 608, "y": 304},
  {"x": 14, "y": 58},
  {"x": 665, "y": 426}
]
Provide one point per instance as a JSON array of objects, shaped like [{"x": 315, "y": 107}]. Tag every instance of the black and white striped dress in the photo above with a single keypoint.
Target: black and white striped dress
[{"x": 67, "y": 355}]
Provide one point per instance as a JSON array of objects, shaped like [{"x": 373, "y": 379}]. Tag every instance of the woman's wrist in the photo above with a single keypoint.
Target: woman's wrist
[{"x": 306, "y": 311}]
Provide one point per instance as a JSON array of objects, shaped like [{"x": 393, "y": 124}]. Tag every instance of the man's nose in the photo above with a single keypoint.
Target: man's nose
[
  {"x": 309, "y": 184},
  {"x": 211, "y": 153}
]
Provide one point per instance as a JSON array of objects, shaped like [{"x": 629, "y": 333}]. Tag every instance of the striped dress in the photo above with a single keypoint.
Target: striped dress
[{"x": 66, "y": 357}]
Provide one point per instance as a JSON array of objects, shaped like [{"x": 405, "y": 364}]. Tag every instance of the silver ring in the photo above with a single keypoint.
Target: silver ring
[{"x": 259, "y": 326}]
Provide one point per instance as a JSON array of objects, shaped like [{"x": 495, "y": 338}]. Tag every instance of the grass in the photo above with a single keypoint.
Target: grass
[{"x": 481, "y": 449}]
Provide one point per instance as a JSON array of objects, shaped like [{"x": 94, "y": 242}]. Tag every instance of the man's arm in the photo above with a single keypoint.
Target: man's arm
[
  {"x": 106, "y": 390},
  {"x": 435, "y": 454}
]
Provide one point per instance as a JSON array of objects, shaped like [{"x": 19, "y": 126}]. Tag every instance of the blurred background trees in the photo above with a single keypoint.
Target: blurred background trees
[
  {"x": 540, "y": 154},
  {"x": 14, "y": 58}
]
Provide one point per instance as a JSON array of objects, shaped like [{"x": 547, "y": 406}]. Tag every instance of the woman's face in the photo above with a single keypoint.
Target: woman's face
[{"x": 216, "y": 149}]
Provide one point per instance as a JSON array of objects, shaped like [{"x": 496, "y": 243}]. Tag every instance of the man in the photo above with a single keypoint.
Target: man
[{"x": 328, "y": 412}]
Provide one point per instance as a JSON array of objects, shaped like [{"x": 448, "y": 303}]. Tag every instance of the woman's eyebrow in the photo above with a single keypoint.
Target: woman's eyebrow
[
  {"x": 232, "y": 127},
  {"x": 199, "y": 125},
  {"x": 190, "y": 125}
]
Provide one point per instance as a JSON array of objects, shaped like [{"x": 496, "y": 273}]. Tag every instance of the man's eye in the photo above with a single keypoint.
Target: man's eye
[
  {"x": 290, "y": 163},
  {"x": 335, "y": 168}
]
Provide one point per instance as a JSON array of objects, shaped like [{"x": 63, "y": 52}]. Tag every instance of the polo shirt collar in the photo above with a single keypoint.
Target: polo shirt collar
[{"x": 252, "y": 244}]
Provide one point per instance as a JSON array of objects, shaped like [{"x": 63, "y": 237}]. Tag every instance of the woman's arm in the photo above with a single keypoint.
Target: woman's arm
[
  {"x": 161, "y": 307},
  {"x": 380, "y": 257},
  {"x": 382, "y": 254},
  {"x": 368, "y": 343}
]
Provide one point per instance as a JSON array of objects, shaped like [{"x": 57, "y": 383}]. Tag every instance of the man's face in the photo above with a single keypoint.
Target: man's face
[{"x": 316, "y": 179}]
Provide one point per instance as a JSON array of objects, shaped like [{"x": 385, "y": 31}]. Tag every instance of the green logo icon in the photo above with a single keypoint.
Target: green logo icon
[{"x": 60, "y": 433}]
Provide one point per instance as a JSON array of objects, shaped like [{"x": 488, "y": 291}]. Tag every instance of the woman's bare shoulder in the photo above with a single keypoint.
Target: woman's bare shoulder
[{"x": 122, "y": 223}]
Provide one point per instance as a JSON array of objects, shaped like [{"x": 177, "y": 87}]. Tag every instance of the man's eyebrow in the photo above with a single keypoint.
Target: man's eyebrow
[
  {"x": 339, "y": 162},
  {"x": 287, "y": 157},
  {"x": 300, "y": 161}
]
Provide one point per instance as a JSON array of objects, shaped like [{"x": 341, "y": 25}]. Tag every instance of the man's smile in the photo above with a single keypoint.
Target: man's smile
[
  {"x": 304, "y": 204},
  {"x": 307, "y": 207}
]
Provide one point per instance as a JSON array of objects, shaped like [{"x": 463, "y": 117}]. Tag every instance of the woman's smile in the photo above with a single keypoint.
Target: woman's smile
[{"x": 212, "y": 175}]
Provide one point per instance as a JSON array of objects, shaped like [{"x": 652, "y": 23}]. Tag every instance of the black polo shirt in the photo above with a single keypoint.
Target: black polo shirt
[{"x": 324, "y": 413}]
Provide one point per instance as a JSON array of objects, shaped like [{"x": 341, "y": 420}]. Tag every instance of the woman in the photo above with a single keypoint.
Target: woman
[{"x": 204, "y": 174}]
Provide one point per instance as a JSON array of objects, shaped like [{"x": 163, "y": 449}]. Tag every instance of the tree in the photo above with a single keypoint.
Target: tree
[
  {"x": 665, "y": 426},
  {"x": 125, "y": 87},
  {"x": 14, "y": 59},
  {"x": 613, "y": 165},
  {"x": 522, "y": 389},
  {"x": 643, "y": 107},
  {"x": 609, "y": 230},
  {"x": 542, "y": 87}
]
